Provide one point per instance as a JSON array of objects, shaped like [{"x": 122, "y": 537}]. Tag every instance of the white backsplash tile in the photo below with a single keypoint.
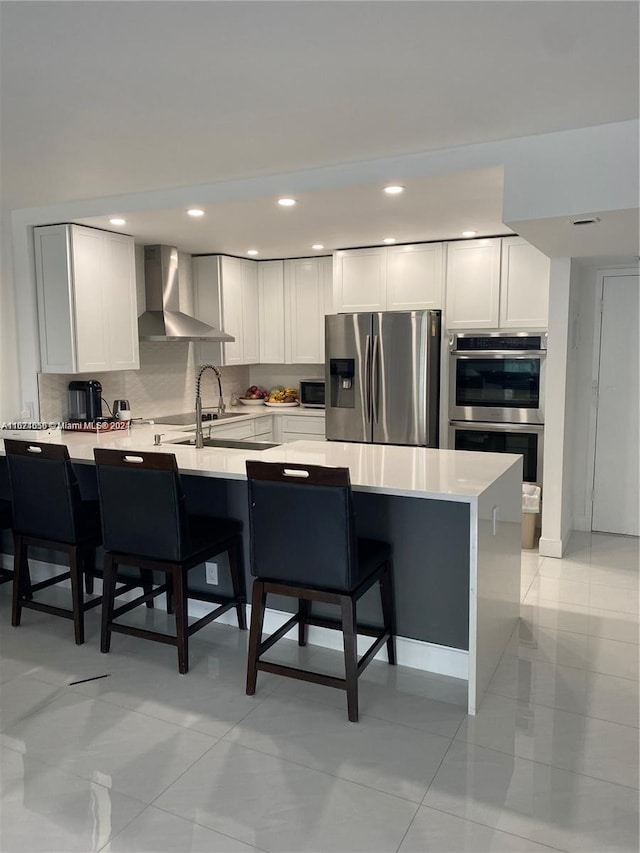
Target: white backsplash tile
[
  {"x": 164, "y": 384},
  {"x": 268, "y": 375}
]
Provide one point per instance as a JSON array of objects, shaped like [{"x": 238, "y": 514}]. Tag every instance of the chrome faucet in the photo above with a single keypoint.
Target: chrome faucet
[{"x": 221, "y": 405}]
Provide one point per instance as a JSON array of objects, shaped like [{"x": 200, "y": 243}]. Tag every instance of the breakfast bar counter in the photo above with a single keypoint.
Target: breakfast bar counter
[{"x": 453, "y": 518}]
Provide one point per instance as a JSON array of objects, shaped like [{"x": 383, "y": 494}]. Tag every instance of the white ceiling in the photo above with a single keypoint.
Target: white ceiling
[
  {"x": 104, "y": 98},
  {"x": 435, "y": 208}
]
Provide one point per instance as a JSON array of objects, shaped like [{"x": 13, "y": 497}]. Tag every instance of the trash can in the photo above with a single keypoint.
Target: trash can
[{"x": 530, "y": 512}]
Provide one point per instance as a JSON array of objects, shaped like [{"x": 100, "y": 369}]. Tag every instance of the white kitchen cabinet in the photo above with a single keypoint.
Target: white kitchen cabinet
[
  {"x": 414, "y": 277},
  {"x": 388, "y": 278},
  {"x": 360, "y": 280},
  {"x": 473, "y": 284},
  {"x": 87, "y": 307},
  {"x": 243, "y": 429},
  {"x": 305, "y": 427},
  {"x": 307, "y": 288},
  {"x": 271, "y": 312},
  {"x": 500, "y": 283},
  {"x": 524, "y": 286},
  {"x": 226, "y": 296}
]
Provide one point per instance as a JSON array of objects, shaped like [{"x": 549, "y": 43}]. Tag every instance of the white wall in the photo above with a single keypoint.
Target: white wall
[
  {"x": 556, "y": 519},
  {"x": 9, "y": 396}
]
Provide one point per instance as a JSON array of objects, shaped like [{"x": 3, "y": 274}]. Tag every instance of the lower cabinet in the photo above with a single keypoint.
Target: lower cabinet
[
  {"x": 278, "y": 428},
  {"x": 298, "y": 428}
]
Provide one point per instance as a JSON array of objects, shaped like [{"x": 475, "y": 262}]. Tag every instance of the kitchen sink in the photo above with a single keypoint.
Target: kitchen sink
[{"x": 231, "y": 443}]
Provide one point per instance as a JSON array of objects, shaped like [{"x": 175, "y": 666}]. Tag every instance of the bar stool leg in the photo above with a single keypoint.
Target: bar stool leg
[
  {"x": 89, "y": 561},
  {"x": 180, "y": 594},
  {"x": 21, "y": 579},
  {"x": 236, "y": 565},
  {"x": 388, "y": 612},
  {"x": 146, "y": 580},
  {"x": 77, "y": 603},
  {"x": 348, "y": 607},
  {"x": 304, "y": 607},
  {"x": 258, "y": 602},
  {"x": 108, "y": 596}
]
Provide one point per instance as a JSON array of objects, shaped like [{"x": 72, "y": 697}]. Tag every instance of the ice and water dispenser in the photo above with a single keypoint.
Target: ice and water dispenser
[{"x": 342, "y": 385}]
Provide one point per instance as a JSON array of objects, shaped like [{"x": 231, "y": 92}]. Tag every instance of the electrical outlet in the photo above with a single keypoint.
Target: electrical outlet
[{"x": 211, "y": 573}]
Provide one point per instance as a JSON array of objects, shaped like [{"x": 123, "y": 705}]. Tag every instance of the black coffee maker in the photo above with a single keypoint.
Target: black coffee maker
[{"x": 85, "y": 401}]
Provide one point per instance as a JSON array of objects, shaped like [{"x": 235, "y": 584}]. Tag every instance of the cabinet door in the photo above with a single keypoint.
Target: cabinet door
[
  {"x": 90, "y": 297},
  {"x": 304, "y": 306},
  {"x": 119, "y": 298},
  {"x": 473, "y": 284},
  {"x": 271, "y": 311},
  {"x": 205, "y": 275},
  {"x": 231, "y": 292},
  {"x": 325, "y": 274},
  {"x": 414, "y": 277},
  {"x": 360, "y": 280},
  {"x": 524, "y": 286},
  {"x": 250, "y": 313},
  {"x": 55, "y": 300}
]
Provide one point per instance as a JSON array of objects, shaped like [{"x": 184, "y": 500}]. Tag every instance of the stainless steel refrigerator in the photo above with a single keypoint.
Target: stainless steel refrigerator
[{"x": 382, "y": 377}]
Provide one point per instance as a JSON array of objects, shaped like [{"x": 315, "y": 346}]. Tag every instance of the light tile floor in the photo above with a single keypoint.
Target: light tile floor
[{"x": 148, "y": 760}]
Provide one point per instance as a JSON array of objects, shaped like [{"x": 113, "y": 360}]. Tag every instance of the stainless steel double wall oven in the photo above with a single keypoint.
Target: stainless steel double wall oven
[{"x": 496, "y": 395}]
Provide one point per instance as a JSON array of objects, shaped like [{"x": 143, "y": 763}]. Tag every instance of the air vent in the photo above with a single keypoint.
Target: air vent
[{"x": 590, "y": 220}]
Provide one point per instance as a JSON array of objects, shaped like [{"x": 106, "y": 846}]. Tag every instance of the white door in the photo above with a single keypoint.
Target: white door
[
  {"x": 616, "y": 507},
  {"x": 414, "y": 277}
]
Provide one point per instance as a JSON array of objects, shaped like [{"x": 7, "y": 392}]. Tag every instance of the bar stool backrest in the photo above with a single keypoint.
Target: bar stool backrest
[
  {"x": 142, "y": 503},
  {"x": 45, "y": 494},
  {"x": 302, "y": 526}
]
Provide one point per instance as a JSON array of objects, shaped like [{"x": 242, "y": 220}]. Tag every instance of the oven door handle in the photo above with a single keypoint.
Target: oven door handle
[
  {"x": 493, "y": 353},
  {"x": 496, "y": 426}
]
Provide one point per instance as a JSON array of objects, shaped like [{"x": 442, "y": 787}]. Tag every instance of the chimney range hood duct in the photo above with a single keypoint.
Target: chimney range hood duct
[{"x": 163, "y": 320}]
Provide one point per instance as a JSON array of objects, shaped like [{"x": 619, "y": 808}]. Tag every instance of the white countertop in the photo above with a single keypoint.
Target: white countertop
[{"x": 384, "y": 469}]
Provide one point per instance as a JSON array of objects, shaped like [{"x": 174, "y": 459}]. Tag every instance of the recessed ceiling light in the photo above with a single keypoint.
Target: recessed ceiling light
[
  {"x": 195, "y": 211},
  {"x": 252, "y": 252},
  {"x": 394, "y": 190},
  {"x": 469, "y": 233},
  {"x": 117, "y": 220},
  {"x": 286, "y": 202},
  {"x": 317, "y": 246},
  {"x": 389, "y": 240}
]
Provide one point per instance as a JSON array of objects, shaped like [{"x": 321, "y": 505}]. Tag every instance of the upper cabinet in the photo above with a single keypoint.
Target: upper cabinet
[
  {"x": 226, "y": 296},
  {"x": 293, "y": 297},
  {"x": 308, "y": 297},
  {"x": 87, "y": 308},
  {"x": 501, "y": 283},
  {"x": 524, "y": 286},
  {"x": 271, "y": 311},
  {"x": 388, "y": 278}
]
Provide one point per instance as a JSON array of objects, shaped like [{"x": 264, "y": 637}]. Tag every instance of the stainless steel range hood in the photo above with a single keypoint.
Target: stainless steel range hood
[{"x": 163, "y": 320}]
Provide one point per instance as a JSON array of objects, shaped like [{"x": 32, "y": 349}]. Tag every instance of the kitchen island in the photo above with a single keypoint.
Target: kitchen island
[{"x": 453, "y": 518}]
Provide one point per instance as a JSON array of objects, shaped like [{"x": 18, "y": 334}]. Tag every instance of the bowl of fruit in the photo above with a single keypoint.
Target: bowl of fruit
[
  {"x": 254, "y": 396},
  {"x": 279, "y": 396}
]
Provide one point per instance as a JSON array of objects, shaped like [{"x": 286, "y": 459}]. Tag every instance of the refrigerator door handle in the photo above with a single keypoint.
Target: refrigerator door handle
[
  {"x": 367, "y": 378},
  {"x": 375, "y": 378}
]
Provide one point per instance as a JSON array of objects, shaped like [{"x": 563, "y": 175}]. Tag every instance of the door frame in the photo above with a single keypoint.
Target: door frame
[{"x": 601, "y": 275}]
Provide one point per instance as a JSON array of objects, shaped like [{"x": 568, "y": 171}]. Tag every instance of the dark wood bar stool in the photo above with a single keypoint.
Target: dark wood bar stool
[
  {"x": 145, "y": 524},
  {"x": 48, "y": 512},
  {"x": 304, "y": 545}
]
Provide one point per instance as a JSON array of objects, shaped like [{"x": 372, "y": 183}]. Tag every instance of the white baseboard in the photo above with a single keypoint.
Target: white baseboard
[
  {"x": 415, "y": 654},
  {"x": 553, "y": 547}
]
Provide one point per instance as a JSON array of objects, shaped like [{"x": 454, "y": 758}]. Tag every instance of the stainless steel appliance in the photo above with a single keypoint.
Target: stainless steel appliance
[
  {"x": 526, "y": 439},
  {"x": 497, "y": 376},
  {"x": 382, "y": 377},
  {"x": 85, "y": 401},
  {"x": 163, "y": 320},
  {"x": 312, "y": 393}
]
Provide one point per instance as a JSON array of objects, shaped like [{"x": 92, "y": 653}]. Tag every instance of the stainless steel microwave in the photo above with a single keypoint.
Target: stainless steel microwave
[{"x": 312, "y": 393}]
